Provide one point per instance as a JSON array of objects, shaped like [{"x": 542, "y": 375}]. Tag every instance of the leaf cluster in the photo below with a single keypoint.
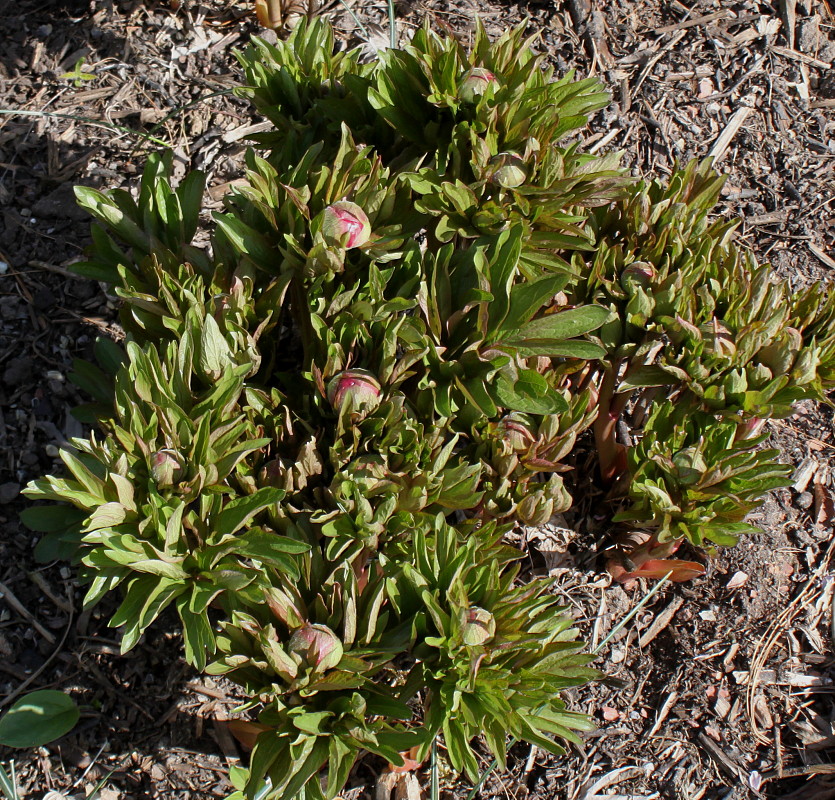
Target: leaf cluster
[{"x": 323, "y": 421}]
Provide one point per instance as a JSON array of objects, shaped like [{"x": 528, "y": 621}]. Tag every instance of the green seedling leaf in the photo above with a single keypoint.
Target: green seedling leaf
[{"x": 38, "y": 718}]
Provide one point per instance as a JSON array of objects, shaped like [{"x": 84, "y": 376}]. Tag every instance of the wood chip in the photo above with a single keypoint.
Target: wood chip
[
  {"x": 727, "y": 661},
  {"x": 722, "y": 759},
  {"x": 721, "y": 145},
  {"x": 737, "y": 579},
  {"x": 246, "y": 130},
  {"x": 12, "y": 602},
  {"x": 721, "y": 707},
  {"x": 805, "y": 472},
  {"x": 692, "y": 23},
  {"x": 824, "y": 257},
  {"x": 764, "y": 718},
  {"x": 662, "y": 713},
  {"x": 801, "y": 57},
  {"x": 661, "y": 622},
  {"x": 771, "y": 218},
  {"x": 787, "y": 9}
]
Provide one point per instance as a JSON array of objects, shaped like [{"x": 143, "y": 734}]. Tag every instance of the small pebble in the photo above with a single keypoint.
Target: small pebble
[
  {"x": 8, "y": 492},
  {"x": 52, "y": 451},
  {"x": 18, "y": 371},
  {"x": 805, "y": 500}
]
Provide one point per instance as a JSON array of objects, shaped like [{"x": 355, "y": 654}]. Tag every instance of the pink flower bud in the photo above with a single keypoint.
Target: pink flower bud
[
  {"x": 318, "y": 644},
  {"x": 508, "y": 170},
  {"x": 750, "y": 429},
  {"x": 166, "y": 467},
  {"x": 345, "y": 224},
  {"x": 638, "y": 272},
  {"x": 475, "y": 84},
  {"x": 357, "y": 387},
  {"x": 479, "y": 626}
]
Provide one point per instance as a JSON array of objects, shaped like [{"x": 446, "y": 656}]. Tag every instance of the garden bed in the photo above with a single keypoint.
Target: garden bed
[{"x": 719, "y": 688}]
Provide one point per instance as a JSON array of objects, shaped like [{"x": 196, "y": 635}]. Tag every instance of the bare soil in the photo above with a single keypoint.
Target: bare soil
[{"x": 721, "y": 688}]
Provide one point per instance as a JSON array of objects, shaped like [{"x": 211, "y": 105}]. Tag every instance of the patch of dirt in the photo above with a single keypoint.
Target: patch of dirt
[{"x": 718, "y": 689}]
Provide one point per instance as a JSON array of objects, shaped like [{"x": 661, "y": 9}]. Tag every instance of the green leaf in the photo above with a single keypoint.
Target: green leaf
[
  {"x": 528, "y": 298},
  {"x": 555, "y": 348},
  {"x": 564, "y": 324},
  {"x": 239, "y": 511},
  {"x": 268, "y": 547},
  {"x": 529, "y": 393},
  {"x": 51, "y": 519},
  {"x": 645, "y": 376},
  {"x": 38, "y": 718},
  {"x": 215, "y": 355}
]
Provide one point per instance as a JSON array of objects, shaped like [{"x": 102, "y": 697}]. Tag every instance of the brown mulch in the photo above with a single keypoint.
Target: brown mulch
[{"x": 719, "y": 689}]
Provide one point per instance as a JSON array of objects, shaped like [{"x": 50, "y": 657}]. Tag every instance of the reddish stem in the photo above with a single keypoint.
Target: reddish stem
[{"x": 605, "y": 426}]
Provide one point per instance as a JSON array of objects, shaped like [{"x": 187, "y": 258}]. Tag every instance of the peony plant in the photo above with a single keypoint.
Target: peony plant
[{"x": 421, "y": 301}]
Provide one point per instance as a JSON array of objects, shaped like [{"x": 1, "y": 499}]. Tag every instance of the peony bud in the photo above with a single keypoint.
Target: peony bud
[
  {"x": 476, "y": 83},
  {"x": 357, "y": 387},
  {"x": 640, "y": 273},
  {"x": 345, "y": 224},
  {"x": 318, "y": 644},
  {"x": 508, "y": 170},
  {"x": 166, "y": 467},
  {"x": 750, "y": 429},
  {"x": 479, "y": 626}
]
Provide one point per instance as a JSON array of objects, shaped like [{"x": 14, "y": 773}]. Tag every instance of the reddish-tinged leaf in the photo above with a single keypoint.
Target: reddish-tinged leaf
[{"x": 657, "y": 568}]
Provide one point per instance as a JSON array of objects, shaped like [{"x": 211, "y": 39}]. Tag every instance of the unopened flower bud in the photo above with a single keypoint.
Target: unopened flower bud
[
  {"x": 318, "y": 644},
  {"x": 166, "y": 467},
  {"x": 479, "y": 626},
  {"x": 508, "y": 170},
  {"x": 345, "y": 224},
  {"x": 750, "y": 429},
  {"x": 357, "y": 387},
  {"x": 640, "y": 273},
  {"x": 475, "y": 84}
]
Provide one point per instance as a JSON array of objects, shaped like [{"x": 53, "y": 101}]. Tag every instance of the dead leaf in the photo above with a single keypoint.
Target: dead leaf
[
  {"x": 762, "y": 713},
  {"x": 245, "y": 732},
  {"x": 824, "y": 505},
  {"x": 397, "y": 786}
]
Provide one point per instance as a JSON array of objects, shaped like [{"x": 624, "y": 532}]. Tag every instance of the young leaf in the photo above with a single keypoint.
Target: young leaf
[{"x": 38, "y": 718}]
